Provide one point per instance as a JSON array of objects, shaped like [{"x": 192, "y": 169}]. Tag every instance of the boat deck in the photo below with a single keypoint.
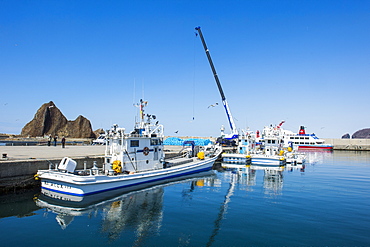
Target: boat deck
[{"x": 179, "y": 161}]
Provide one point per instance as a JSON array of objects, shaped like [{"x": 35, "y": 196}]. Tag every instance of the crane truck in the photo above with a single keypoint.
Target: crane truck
[{"x": 232, "y": 138}]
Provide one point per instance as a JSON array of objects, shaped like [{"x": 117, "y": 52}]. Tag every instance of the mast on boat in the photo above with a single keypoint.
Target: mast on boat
[{"x": 234, "y": 131}]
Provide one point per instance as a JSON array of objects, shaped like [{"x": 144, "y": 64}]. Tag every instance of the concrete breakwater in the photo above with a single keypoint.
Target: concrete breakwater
[{"x": 349, "y": 144}]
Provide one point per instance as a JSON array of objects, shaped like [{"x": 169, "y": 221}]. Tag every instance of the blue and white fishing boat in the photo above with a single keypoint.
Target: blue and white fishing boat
[
  {"x": 250, "y": 152},
  {"x": 259, "y": 158},
  {"x": 267, "y": 150},
  {"x": 134, "y": 159}
]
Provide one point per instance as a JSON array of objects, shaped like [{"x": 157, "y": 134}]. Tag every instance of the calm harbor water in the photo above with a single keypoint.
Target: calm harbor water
[{"x": 325, "y": 203}]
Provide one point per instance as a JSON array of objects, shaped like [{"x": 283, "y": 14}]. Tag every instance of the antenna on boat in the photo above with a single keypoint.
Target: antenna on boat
[
  {"x": 224, "y": 101},
  {"x": 141, "y": 106},
  {"x": 142, "y": 89}
]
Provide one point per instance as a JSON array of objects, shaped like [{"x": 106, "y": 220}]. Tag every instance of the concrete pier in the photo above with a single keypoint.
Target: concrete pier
[{"x": 19, "y": 164}]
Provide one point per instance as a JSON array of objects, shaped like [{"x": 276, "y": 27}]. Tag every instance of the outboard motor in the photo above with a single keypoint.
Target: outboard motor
[{"x": 67, "y": 165}]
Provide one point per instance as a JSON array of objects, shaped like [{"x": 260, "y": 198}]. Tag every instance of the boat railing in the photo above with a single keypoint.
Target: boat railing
[{"x": 136, "y": 135}]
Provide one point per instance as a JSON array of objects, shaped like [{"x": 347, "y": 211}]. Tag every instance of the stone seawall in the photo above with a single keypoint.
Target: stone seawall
[{"x": 349, "y": 144}]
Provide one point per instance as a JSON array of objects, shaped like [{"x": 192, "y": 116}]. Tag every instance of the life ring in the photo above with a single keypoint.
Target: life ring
[{"x": 146, "y": 151}]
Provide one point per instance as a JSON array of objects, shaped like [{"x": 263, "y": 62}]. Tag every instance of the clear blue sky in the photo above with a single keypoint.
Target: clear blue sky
[{"x": 305, "y": 62}]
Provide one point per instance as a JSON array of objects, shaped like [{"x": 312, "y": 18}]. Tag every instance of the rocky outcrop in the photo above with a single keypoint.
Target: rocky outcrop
[
  {"x": 346, "y": 136},
  {"x": 362, "y": 134},
  {"x": 98, "y": 132},
  {"x": 49, "y": 120}
]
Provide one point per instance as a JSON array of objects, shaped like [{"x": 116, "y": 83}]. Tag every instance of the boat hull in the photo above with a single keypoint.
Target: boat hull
[
  {"x": 315, "y": 147},
  {"x": 236, "y": 158},
  {"x": 267, "y": 161},
  {"x": 79, "y": 186},
  {"x": 49, "y": 198},
  {"x": 257, "y": 159}
]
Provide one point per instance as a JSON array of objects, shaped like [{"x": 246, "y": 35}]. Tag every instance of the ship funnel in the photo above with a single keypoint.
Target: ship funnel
[{"x": 302, "y": 131}]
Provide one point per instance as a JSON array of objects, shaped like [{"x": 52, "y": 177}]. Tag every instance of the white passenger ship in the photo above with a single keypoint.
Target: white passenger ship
[{"x": 301, "y": 140}]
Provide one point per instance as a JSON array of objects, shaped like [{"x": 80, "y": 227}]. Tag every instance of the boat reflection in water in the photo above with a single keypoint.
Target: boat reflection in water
[
  {"x": 140, "y": 210},
  {"x": 272, "y": 178},
  {"x": 272, "y": 175}
]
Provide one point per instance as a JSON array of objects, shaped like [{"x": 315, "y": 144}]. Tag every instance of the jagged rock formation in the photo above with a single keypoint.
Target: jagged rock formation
[
  {"x": 98, "y": 132},
  {"x": 49, "y": 120},
  {"x": 362, "y": 134},
  {"x": 346, "y": 136}
]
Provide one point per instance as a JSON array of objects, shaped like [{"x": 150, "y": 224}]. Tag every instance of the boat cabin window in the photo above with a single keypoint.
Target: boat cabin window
[
  {"x": 155, "y": 142},
  {"x": 306, "y": 138},
  {"x": 134, "y": 143}
]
